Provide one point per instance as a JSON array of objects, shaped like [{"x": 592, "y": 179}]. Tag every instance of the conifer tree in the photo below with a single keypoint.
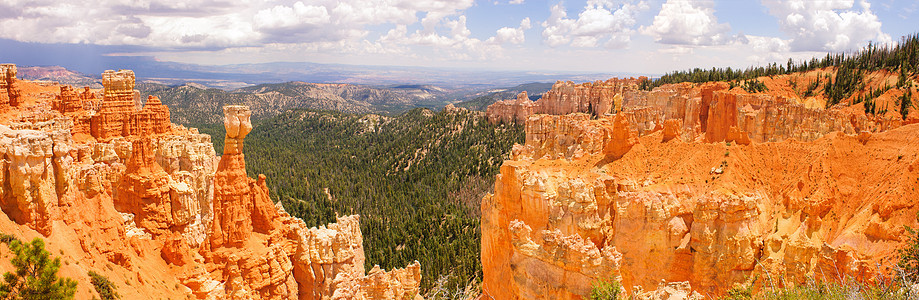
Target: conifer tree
[{"x": 36, "y": 274}]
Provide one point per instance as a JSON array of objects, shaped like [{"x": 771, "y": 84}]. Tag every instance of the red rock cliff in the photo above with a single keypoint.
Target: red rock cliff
[
  {"x": 695, "y": 217},
  {"x": 708, "y": 111},
  {"x": 9, "y": 92},
  {"x": 142, "y": 201}
]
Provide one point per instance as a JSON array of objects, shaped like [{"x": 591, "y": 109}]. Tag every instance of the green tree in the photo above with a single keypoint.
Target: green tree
[{"x": 36, "y": 274}]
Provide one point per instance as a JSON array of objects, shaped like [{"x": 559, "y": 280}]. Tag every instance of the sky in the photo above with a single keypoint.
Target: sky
[{"x": 640, "y": 37}]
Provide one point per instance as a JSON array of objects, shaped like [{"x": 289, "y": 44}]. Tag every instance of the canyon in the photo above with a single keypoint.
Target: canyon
[
  {"x": 114, "y": 187},
  {"x": 689, "y": 190}
]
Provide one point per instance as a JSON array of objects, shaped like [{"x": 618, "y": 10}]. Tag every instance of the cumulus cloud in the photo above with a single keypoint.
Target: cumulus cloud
[
  {"x": 685, "y": 22},
  {"x": 600, "y": 20},
  {"x": 511, "y": 35},
  {"x": 830, "y": 25},
  {"x": 516, "y": 2},
  {"x": 211, "y": 23},
  {"x": 451, "y": 37}
]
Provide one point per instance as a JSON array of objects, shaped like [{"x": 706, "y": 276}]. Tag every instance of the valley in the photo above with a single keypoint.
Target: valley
[{"x": 697, "y": 184}]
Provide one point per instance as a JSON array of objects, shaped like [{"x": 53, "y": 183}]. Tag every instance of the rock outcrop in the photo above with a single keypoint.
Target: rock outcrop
[
  {"x": 237, "y": 196},
  {"x": 511, "y": 111},
  {"x": 119, "y": 190},
  {"x": 596, "y": 98},
  {"x": 711, "y": 111},
  {"x": 692, "y": 217},
  {"x": 9, "y": 92}
]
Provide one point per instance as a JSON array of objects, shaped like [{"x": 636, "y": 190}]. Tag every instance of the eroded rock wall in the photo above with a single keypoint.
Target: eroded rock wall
[
  {"x": 9, "y": 92},
  {"x": 711, "y": 111},
  {"x": 143, "y": 201},
  {"x": 698, "y": 217}
]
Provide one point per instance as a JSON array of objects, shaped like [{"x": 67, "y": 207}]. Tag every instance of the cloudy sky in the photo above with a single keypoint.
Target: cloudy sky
[{"x": 647, "y": 36}]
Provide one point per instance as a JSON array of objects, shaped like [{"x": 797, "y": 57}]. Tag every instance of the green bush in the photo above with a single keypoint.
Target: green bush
[
  {"x": 36, "y": 274},
  {"x": 740, "y": 293},
  {"x": 605, "y": 290},
  {"x": 909, "y": 256},
  {"x": 106, "y": 289}
]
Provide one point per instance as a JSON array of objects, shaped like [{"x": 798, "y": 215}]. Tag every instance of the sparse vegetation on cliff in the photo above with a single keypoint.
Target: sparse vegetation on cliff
[
  {"x": 902, "y": 57},
  {"x": 416, "y": 180},
  {"x": 106, "y": 289},
  {"x": 909, "y": 257}
]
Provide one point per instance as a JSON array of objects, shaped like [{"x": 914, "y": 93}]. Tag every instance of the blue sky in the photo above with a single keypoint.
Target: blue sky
[{"x": 610, "y": 36}]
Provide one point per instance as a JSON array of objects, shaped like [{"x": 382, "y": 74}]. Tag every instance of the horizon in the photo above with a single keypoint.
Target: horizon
[{"x": 576, "y": 37}]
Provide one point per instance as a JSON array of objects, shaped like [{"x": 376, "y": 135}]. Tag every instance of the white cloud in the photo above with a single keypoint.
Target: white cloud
[
  {"x": 516, "y": 2},
  {"x": 685, "y": 22},
  {"x": 210, "y": 24},
  {"x": 448, "y": 37},
  {"x": 511, "y": 35},
  {"x": 600, "y": 20},
  {"x": 829, "y": 25}
]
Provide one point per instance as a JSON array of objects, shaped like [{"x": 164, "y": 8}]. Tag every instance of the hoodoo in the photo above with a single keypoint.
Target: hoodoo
[
  {"x": 693, "y": 189},
  {"x": 115, "y": 188}
]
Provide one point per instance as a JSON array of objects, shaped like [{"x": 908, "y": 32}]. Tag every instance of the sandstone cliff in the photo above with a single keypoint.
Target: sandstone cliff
[
  {"x": 711, "y": 111},
  {"x": 115, "y": 188},
  {"x": 9, "y": 92},
  {"x": 587, "y": 199},
  {"x": 596, "y": 98}
]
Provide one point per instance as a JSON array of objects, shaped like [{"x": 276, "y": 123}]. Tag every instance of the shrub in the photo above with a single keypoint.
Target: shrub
[
  {"x": 909, "y": 256},
  {"x": 605, "y": 290},
  {"x": 106, "y": 289},
  {"x": 740, "y": 293},
  {"x": 36, "y": 274}
]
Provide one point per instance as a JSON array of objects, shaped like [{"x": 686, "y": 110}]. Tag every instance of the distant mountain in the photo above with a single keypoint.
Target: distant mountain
[
  {"x": 196, "y": 104},
  {"x": 59, "y": 74},
  {"x": 484, "y": 99}
]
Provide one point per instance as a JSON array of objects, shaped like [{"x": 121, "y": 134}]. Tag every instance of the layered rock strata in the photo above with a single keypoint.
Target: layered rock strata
[
  {"x": 9, "y": 92},
  {"x": 150, "y": 207},
  {"x": 584, "y": 200},
  {"x": 511, "y": 111},
  {"x": 710, "y": 111},
  {"x": 596, "y": 98}
]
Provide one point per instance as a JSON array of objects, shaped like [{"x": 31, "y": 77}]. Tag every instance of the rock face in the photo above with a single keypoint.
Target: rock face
[
  {"x": 29, "y": 163},
  {"x": 596, "y": 98},
  {"x": 125, "y": 193},
  {"x": 511, "y": 111},
  {"x": 9, "y": 93},
  {"x": 694, "y": 218},
  {"x": 708, "y": 111}
]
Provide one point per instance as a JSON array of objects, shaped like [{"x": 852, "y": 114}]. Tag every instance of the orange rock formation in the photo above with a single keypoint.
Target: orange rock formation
[
  {"x": 511, "y": 111},
  {"x": 123, "y": 192},
  {"x": 9, "y": 92},
  {"x": 690, "y": 189},
  {"x": 695, "y": 216},
  {"x": 597, "y": 98}
]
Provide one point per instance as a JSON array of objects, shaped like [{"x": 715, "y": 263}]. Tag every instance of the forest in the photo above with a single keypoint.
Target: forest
[{"x": 415, "y": 179}]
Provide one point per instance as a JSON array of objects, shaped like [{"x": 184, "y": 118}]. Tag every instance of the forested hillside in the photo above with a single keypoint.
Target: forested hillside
[
  {"x": 196, "y": 104},
  {"x": 416, "y": 180}
]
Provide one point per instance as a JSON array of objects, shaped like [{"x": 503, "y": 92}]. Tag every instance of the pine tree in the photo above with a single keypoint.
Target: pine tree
[{"x": 36, "y": 274}]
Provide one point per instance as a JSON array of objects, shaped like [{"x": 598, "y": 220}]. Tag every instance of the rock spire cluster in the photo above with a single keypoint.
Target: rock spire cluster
[
  {"x": 691, "y": 190},
  {"x": 118, "y": 189},
  {"x": 9, "y": 92},
  {"x": 711, "y": 111}
]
